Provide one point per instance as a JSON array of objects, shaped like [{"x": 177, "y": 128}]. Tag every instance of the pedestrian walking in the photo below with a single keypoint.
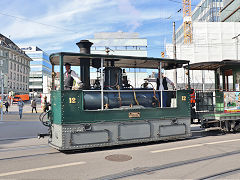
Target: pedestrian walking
[
  {"x": 34, "y": 105},
  {"x": 20, "y": 105},
  {"x": 11, "y": 99},
  {"x": 6, "y": 106}
]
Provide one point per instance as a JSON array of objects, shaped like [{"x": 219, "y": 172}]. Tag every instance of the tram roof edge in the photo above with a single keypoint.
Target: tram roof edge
[
  {"x": 120, "y": 61},
  {"x": 213, "y": 65}
]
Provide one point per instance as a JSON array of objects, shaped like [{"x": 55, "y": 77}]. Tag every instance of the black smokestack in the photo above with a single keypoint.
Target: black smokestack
[{"x": 85, "y": 47}]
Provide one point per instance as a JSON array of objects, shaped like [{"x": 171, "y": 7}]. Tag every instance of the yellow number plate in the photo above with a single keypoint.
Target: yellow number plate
[
  {"x": 184, "y": 98},
  {"x": 72, "y": 100}
]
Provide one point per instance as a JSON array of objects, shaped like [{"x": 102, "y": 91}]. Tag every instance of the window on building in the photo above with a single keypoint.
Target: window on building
[
  {"x": 6, "y": 54},
  {"x": 14, "y": 66},
  {"x": 14, "y": 76},
  {"x": 18, "y": 77},
  {"x": 23, "y": 78},
  {"x": 17, "y": 86},
  {"x": 10, "y": 75}
]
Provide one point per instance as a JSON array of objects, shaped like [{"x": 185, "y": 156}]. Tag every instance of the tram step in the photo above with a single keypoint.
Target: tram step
[
  {"x": 211, "y": 121},
  {"x": 212, "y": 129}
]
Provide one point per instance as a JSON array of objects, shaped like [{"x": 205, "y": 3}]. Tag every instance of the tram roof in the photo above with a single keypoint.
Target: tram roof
[
  {"x": 120, "y": 61},
  {"x": 214, "y": 65}
]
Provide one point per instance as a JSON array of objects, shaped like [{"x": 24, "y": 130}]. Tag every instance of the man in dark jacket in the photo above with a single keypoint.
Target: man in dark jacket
[
  {"x": 163, "y": 86},
  {"x": 69, "y": 77},
  {"x": 6, "y": 106}
]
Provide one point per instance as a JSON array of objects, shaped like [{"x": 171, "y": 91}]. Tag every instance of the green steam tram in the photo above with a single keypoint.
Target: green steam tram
[{"x": 110, "y": 111}]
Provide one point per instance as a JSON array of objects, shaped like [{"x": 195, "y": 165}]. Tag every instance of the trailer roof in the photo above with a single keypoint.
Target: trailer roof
[
  {"x": 120, "y": 61},
  {"x": 214, "y": 65}
]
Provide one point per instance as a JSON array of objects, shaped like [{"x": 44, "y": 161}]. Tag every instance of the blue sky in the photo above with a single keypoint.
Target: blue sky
[{"x": 56, "y": 25}]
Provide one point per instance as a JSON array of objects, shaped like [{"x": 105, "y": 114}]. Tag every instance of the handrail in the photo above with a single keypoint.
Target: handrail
[
  {"x": 129, "y": 90},
  {"x": 41, "y": 117}
]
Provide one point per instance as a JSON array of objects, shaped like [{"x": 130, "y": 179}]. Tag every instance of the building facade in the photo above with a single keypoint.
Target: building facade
[
  {"x": 230, "y": 11},
  {"x": 122, "y": 43},
  {"x": 205, "y": 11},
  {"x": 212, "y": 41},
  {"x": 15, "y": 67},
  {"x": 41, "y": 68}
]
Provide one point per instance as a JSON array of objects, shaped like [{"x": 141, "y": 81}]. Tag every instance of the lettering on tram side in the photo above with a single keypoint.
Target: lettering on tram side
[
  {"x": 134, "y": 115},
  {"x": 72, "y": 100}
]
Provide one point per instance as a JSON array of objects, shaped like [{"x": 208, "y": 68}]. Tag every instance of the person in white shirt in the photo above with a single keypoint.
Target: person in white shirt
[
  {"x": 163, "y": 86},
  {"x": 69, "y": 77}
]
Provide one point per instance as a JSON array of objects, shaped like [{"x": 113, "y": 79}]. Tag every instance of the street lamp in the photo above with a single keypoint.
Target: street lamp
[{"x": 236, "y": 37}]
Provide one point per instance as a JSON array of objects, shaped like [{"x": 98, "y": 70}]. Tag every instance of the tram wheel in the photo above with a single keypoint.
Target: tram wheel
[{"x": 237, "y": 128}]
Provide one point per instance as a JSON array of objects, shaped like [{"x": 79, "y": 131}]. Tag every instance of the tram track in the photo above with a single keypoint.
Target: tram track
[
  {"x": 144, "y": 170},
  {"x": 24, "y": 148},
  {"x": 30, "y": 147},
  {"x": 16, "y": 138},
  {"x": 222, "y": 174},
  {"x": 27, "y": 156}
]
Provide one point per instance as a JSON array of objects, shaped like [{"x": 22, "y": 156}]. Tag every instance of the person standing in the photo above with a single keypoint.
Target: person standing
[
  {"x": 69, "y": 77},
  {"x": 11, "y": 100},
  {"x": 20, "y": 105},
  {"x": 34, "y": 105},
  {"x": 163, "y": 86},
  {"x": 6, "y": 106}
]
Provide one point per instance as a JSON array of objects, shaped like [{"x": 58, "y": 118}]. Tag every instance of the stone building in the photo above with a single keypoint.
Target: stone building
[{"x": 14, "y": 67}]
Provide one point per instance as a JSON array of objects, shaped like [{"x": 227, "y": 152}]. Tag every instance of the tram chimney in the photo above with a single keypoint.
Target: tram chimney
[{"x": 85, "y": 47}]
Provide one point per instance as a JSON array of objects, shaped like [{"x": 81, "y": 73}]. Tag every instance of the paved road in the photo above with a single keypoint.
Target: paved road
[
  {"x": 29, "y": 126},
  {"x": 196, "y": 158}
]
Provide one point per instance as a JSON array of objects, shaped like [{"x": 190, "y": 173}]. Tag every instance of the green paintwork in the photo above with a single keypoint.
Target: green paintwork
[
  {"x": 222, "y": 115},
  {"x": 64, "y": 112},
  {"x": 219, "y": 101}
]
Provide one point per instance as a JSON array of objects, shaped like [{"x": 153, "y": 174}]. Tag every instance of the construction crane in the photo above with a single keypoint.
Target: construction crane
[{"x": 187, "y": 20}]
